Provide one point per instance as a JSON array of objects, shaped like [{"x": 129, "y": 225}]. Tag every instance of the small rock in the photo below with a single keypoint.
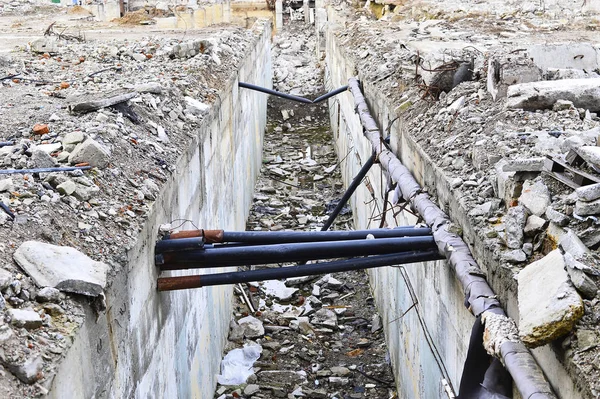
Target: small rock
[
  {"x": 326, "y": 318},
  {"x": 253, "y": 328},
  {"x": 251, "y": 389},
  {"x": 41, "y": 159},
  {"x": 26, "y": 318},
  {"x": 515, "y": 256},
  {"x": 535, "y": 197},
  {"x": 5, "y": 278},
  {"x": 585, "y": 208},
  {"x": 376, "y": 324},
  {"x": 556, "y": 217},
  {"x": 64, "y": 268},
  {"x": 6, "y": 185},
  {"x": 582, "y": 283},
  {"x": 588, "y": 193},
  {"x": 48, "y": 294},
  {"x": 92, "y": 152},
  {"x": 340, "y": 371},
  {"x": 534, "y": 225},
  {"x": 29, "y": 371},
  {"x": 40, "y": 129}
]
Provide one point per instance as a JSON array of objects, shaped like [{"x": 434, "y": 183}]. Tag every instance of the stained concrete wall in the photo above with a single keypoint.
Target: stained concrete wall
[{"x": 169, "y": 345}]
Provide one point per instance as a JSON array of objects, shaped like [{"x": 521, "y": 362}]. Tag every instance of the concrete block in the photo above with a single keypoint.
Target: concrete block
[
  {"x": 564, "y": 56},
  {"x": 534, "y": 225},
  {"x": 583, "y": 93},
  {"x": 535, "y": 197},
  {"x": 505, "y": 71},
  {"x": 548, "y": 313},
  {"x": 591, "y": 154},
  {"x": 64, "y": 268},
  {"x": 92, "y": 152}
]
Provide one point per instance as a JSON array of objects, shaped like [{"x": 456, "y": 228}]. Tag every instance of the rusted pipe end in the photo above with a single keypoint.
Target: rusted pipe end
[
  {"x": 213, "y": 236},
  {"x": 178, "y": 283},
  {"x": 186, "y": 234}
]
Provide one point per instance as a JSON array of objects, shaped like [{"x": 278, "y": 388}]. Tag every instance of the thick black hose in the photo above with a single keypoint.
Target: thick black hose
[
  {"x": 276, "y": 253},
  {"x": 291, "y": 96},
  {"x": 351, "y": 189},
  {"x": 172, "y": 283}
]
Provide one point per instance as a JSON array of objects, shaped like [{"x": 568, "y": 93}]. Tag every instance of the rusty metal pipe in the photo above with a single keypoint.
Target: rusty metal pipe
[
  {"x": 197, "y": 281},
  {"x": 279, "y": 253}
]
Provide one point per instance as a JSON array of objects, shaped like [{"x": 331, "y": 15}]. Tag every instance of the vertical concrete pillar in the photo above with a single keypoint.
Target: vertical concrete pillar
[
  {"x": 311, "y": 16},
  {"x": 305, "y": 8},
  {"x": 278, "y": 14}
]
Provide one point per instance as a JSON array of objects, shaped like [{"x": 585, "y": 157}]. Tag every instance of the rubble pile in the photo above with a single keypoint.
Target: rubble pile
[
  {"x": 517, "y": 146},
  {"x": 124, "y": 109},
  {"x": 315, "y": 336}
]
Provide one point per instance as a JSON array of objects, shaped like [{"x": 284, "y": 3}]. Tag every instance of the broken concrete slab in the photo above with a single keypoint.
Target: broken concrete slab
[
  {"x": 590, "y": 192},
  {"x": 92, "y": 152},
  {"x": 535, "y": 196},
  {"x": 548, "y": 313},
  {"x": 90, "y": 103},
  {"x": 584, "y": 285},
  {"x": 63, "y": 268},
  {"x": 584, "y": 208},
  {"x": 28, "y": 371},
  {"x": 535, "y": 164},
  {"x": 591, "y": 154},
  {"x": 583, "y": 93}
]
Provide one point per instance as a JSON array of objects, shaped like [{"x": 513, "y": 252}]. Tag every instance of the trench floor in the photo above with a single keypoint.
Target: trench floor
[{"x": 322, "y": 336}]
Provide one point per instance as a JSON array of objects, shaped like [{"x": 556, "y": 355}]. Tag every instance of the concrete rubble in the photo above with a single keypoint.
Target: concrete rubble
[{"x": 119, "y": 103}]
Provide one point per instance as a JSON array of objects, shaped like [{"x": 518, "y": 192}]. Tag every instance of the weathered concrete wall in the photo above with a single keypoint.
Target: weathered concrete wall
[
  {"x": 428, "y": 292},
  {"x": 167, "y": 345}
]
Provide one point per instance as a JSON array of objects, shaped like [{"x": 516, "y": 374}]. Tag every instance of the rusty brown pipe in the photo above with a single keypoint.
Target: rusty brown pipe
[
  {"x": 210, "y": 236},
  {"x": 178, "y": 283}
]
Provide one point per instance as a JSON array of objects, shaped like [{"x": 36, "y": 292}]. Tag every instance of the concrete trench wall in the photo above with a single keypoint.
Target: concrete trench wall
[
  {"x": 167, "y": 345},
  {"x": 426, "y": 292},
  {"x": 434, "y": 287}
]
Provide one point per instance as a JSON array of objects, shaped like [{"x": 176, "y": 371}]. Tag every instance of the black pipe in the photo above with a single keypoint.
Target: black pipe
[
  {"x": 353, "y": 186},
  {"x": 277, "y": 253},
  {"x": 275, "y": 93},
  {"x": 183, "y": 244},
  {"x": 185, "y": 282},
  {"x": 330, "y": 94},
  {"x": 280, "y": 237},
  {"x": 291, "y": 96}
]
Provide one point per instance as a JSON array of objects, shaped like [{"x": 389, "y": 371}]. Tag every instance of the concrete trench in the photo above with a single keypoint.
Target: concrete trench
[{"x": 391, "y": 332}]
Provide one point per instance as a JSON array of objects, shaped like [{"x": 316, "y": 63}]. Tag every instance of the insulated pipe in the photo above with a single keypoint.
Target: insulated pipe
[
  {"x": 351, "y": 189},
  {"x": 279, "y": 237},
  {"x": 185, "y": 282},
  {"x": 184, "y": 244},
  {"x": 277, "y": 253},
  {"x": 480, "y": 297}
]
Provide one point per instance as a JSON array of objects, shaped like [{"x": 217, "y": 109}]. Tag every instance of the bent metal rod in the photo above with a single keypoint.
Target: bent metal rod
[{"x": 197, "y": 281}]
